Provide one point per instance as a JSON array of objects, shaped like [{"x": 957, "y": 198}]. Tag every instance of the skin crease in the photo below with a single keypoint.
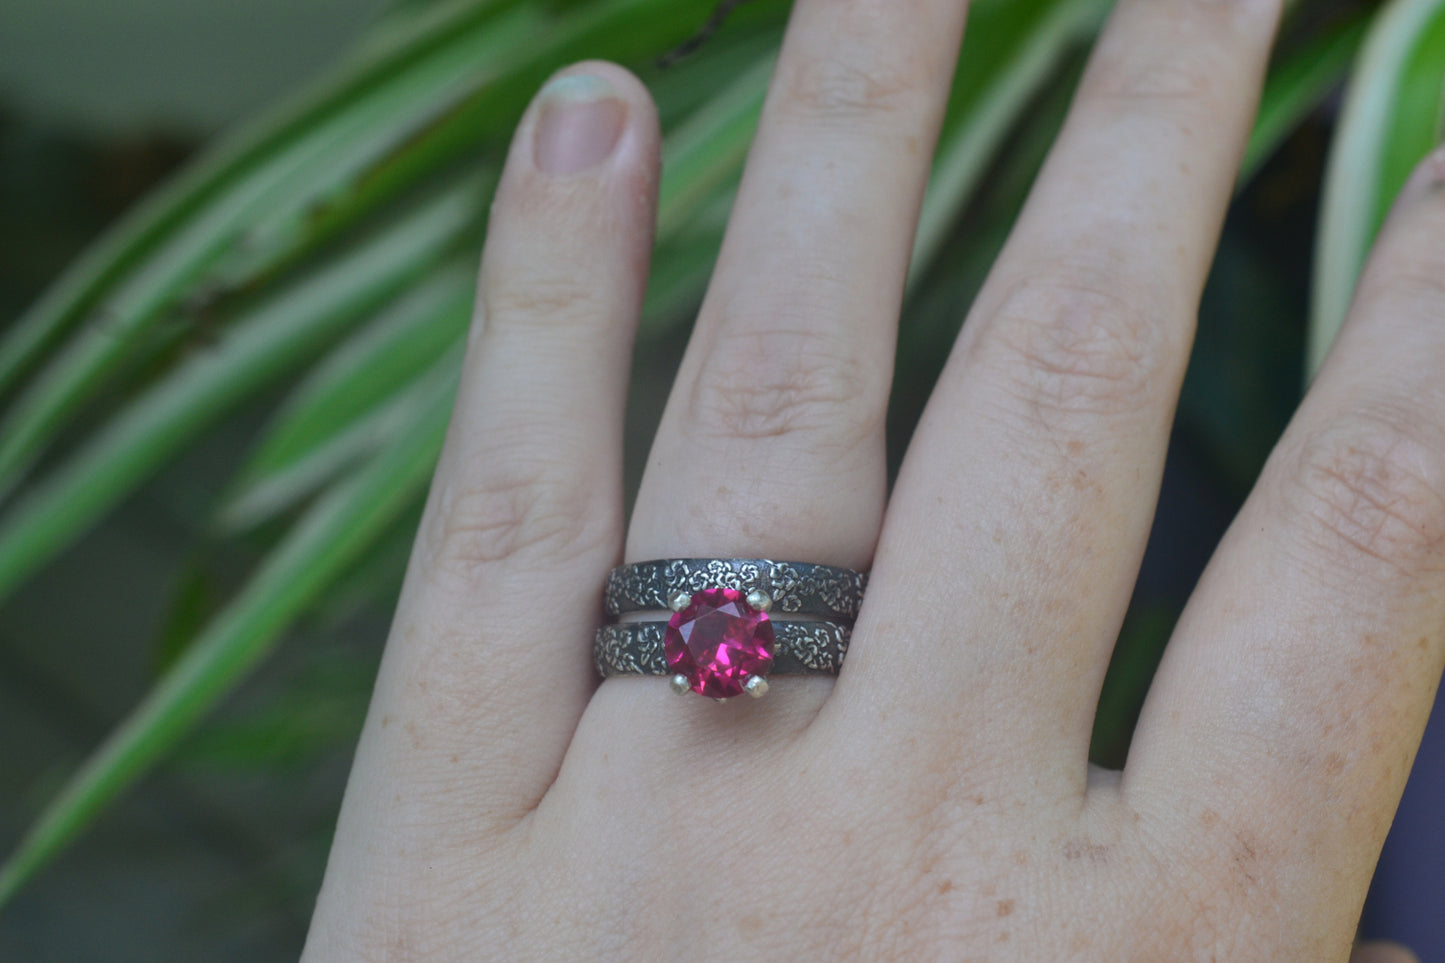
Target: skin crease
[{"x": 936, "y": 802}]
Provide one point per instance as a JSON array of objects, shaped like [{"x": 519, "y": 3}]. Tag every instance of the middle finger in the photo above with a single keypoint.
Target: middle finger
[{"x": 772, "y": 441}]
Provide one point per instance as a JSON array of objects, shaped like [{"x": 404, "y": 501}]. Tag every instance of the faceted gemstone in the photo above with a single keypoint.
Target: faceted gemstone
[{"x": 718, "y": 641}]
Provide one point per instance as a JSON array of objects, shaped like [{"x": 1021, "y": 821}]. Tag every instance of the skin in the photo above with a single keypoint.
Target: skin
[{"x": 936, "y": 802}]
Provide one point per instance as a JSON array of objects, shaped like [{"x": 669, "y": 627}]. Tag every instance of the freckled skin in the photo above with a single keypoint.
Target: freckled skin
[{"x": 935, "y": 800}]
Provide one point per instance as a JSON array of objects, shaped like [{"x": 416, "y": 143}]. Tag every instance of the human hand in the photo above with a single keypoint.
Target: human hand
[{"x": 936, "y": 803}]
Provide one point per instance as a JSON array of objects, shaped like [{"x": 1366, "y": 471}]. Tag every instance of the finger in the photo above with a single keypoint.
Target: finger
[
  {"x": 1029, "y": 485},
  {"x": 772, "y": 440},
  {"x": 1292, "y": 698},
  {"x": 489, "y": 663},
  {"x": 1381, "y": 952}
]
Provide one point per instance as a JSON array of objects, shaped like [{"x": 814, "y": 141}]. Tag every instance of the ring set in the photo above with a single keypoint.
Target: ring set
[{"x": 723, "y": 636}]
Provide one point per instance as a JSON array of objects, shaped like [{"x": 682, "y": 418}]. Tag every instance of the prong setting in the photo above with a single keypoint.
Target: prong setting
[
  {"x": 760, "y": 600},
  {"x": 680, "y": 684},
  {"x": 757, "y": 687},
  {"x": 679, "y": 600}
]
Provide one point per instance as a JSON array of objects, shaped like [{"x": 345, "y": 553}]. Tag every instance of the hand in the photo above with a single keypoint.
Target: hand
[{"x": 936, "y": 803}]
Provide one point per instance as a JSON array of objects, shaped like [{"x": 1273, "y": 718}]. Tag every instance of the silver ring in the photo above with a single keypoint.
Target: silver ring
[
  {"x": 721, "y": 639},
  {"x": 796, "y": 588}
]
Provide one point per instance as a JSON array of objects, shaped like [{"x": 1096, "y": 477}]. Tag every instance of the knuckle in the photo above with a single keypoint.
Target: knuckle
[
  {"x": 848, "y": 92},
  {"x": 1179, "y": 75},
  {"x": 1062, "y": 348},
  {"x": 545, "y": 301},
  {"x": 854, "y": 83},
  {"x": 1170, "y": 78},
  {"x": 783, "y": 384},
  {"x": 513, "y": 515},
  {"x": 1369, "y": 492}
]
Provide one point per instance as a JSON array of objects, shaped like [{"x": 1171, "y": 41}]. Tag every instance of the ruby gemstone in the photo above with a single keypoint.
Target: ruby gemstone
[{"x": 718, "y": 642}]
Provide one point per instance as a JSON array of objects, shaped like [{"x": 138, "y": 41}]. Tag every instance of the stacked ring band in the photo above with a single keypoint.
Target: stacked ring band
[
  {"x": 721, "y": 639},
  {"x": 796, "y": 588}
]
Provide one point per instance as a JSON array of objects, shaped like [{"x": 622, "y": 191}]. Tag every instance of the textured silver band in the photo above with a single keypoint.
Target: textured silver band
[
  {"x": 804, "y": 648},
  {"x": 796, "y": 588}
]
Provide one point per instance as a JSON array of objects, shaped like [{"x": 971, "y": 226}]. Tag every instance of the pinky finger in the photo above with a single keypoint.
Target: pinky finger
[
  {"x": 1379, "y": 952},
  {"x": 1283, "y": 721}
]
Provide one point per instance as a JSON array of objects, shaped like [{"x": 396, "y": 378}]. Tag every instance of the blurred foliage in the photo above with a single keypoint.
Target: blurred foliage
[
  {"x": 1392, "y": 119},
  {"x": 319, "y": 262}
]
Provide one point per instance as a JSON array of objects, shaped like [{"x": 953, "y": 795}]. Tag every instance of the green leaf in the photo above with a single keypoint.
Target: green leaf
[
  {"x": 1136, "y": 656},
  {"x": 682, "y": 89},
  {"x": 1297, "y": 85},
  {"x": 317, "y": 710},
  {"x": 302, "y": 182},
  {"x": 277, "y": 335},
  {"x": 195, "y": 600},
  {"x": 332, "y": 536},
  {"x": 284, "y": 487},
  {"x": 680, "y": 272},
  {"x": 1010, "y": 51},
  {"x": 228, "y": 166},
  {"x": 936, "y": 303},
  {"x": 707, "y": 151},
  {"x": 363, "y": 372},
  {"x": 1391, "y": 120},
  {"x": 467, "y": 91}
]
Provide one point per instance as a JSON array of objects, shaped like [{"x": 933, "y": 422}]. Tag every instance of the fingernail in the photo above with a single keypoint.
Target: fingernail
[{"x": 580, "y": 123}]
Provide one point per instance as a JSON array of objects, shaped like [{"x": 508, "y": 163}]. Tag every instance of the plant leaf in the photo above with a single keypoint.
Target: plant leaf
[
  {"x": 280, "y": 333},
  {"x": 232, "y": 159},
  {"x": 298, "y": 180},
  {"x": 379, "y": 359},
  {"x": 1010, "y": 51},
  {"x": 1297, "y": 85},
  {"x": 467, "y": 91},
  {"x": 331, "y": 537},
  {"x": 1391, "y": 121},
  {"x": 282, "y": 488},
  {"x": 707, "y": 151}
]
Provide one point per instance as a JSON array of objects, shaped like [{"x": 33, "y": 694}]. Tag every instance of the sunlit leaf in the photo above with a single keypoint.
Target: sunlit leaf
[
  {"x": 280, "y": 333},
  {"x": 1010, "y": 51},
  {"x": 468, "y": 90},
  {"x": 1297, "y": 85},
  {"x": 1392, "y": 119},
  {"x": 226, "y": 167},
  {"x": 285, "y": 486},
  {"x": 368, "y": 368}
]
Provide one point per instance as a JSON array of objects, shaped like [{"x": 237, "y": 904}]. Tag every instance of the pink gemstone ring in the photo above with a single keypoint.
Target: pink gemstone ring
[{"x": 722, "y": 639}]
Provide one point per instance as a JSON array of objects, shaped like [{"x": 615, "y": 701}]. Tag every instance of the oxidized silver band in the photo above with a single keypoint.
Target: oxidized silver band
[
  {"x": 803, "y": 648},
  {"x": 796, "y": 588}
]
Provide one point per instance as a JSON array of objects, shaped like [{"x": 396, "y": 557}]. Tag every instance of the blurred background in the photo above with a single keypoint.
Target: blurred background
[
  {"x": 218, "y": 856},
  {"x": 204, "y": 502}
]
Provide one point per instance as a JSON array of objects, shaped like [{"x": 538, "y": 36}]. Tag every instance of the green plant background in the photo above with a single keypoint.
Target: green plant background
[{"x": 243, "y": 383}]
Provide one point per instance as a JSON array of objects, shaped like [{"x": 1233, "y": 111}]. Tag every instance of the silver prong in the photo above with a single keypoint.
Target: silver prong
[
  {"x": 760, "y": 600},
  {"x": 679, "y": 600},
  {"x": 679, "y": 684},
  {"x": 757, "y": 687}
]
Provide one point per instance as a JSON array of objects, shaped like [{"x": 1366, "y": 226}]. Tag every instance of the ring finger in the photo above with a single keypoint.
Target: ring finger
[{"x": 772, "y": 440}]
